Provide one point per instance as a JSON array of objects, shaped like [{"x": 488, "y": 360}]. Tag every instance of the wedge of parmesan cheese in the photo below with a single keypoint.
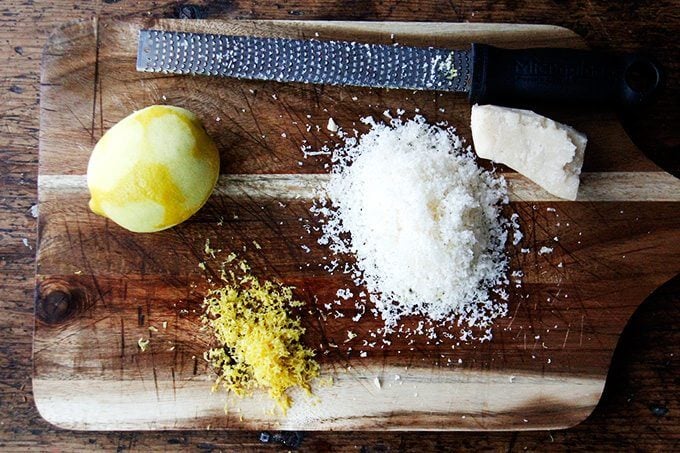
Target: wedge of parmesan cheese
[{"x": 543, "y": 150}]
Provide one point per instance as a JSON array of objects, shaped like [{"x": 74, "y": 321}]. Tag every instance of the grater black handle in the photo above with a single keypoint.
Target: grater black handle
[{"x": 546, "y": 75}]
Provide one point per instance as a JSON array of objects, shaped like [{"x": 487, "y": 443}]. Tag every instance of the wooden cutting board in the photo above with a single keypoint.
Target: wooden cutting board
[{"x": 99, "y": 288}]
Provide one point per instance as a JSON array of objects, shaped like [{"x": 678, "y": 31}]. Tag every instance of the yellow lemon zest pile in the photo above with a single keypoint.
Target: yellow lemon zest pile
[{"x": 259, "y": 340}]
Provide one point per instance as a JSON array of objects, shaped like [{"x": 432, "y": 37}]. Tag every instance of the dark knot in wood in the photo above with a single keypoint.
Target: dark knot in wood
[
  {"x": 54, "y": 308},
  {"x": 56, "y": 302}
]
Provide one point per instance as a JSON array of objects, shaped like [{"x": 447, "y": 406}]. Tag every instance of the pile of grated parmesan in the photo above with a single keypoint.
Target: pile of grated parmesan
[{"x": 422, "y": 221}]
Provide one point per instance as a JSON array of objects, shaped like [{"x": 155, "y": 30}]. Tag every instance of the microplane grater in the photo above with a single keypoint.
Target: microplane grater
[
  {"x": 308, "y": 61},
  {"x": 488, "y": 74}
]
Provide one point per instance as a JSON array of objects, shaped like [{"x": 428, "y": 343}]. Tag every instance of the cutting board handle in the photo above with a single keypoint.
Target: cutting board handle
[{"x": 518, "y": 77}]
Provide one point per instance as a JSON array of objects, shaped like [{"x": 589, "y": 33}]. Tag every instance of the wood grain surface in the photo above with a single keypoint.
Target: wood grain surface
[
  {"x": 640, "y": 402},
  {"x": 546, "y": 365}
]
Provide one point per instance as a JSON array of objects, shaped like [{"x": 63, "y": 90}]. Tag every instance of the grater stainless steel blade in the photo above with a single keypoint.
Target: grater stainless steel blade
[{"x": 307, "y": 61}]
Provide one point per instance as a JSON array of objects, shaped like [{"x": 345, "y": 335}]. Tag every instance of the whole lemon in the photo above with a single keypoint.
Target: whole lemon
[{"x": 153, "y": 170}]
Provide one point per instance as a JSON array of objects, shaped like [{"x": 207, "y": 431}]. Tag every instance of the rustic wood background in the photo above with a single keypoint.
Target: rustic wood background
[{"x": 641, "y": 402}]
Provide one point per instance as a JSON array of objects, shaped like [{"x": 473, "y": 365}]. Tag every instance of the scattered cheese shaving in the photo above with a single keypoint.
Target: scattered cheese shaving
[
  {"x": 545, "y": 250},
  {"x": 143, "y": 344}
]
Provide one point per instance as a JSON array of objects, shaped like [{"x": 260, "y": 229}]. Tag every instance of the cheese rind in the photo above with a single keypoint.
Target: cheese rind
[{"x": 545, "y": 151}]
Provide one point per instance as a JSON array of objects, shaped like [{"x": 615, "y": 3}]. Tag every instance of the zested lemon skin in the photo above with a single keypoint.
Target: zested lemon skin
[{"x": 153, "y": 170}]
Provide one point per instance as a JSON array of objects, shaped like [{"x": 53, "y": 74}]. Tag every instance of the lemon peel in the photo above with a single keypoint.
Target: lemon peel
[
  {"x": 259, "y": 342},
  {"x": 152, "y": 170}
]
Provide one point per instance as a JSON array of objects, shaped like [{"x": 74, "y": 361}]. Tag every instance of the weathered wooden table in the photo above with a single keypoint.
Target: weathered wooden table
[{"x": 641, "y": 402}]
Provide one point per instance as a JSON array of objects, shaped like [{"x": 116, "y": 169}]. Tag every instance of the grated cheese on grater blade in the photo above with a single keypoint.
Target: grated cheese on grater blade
[{"x": 422, "y": 221}]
